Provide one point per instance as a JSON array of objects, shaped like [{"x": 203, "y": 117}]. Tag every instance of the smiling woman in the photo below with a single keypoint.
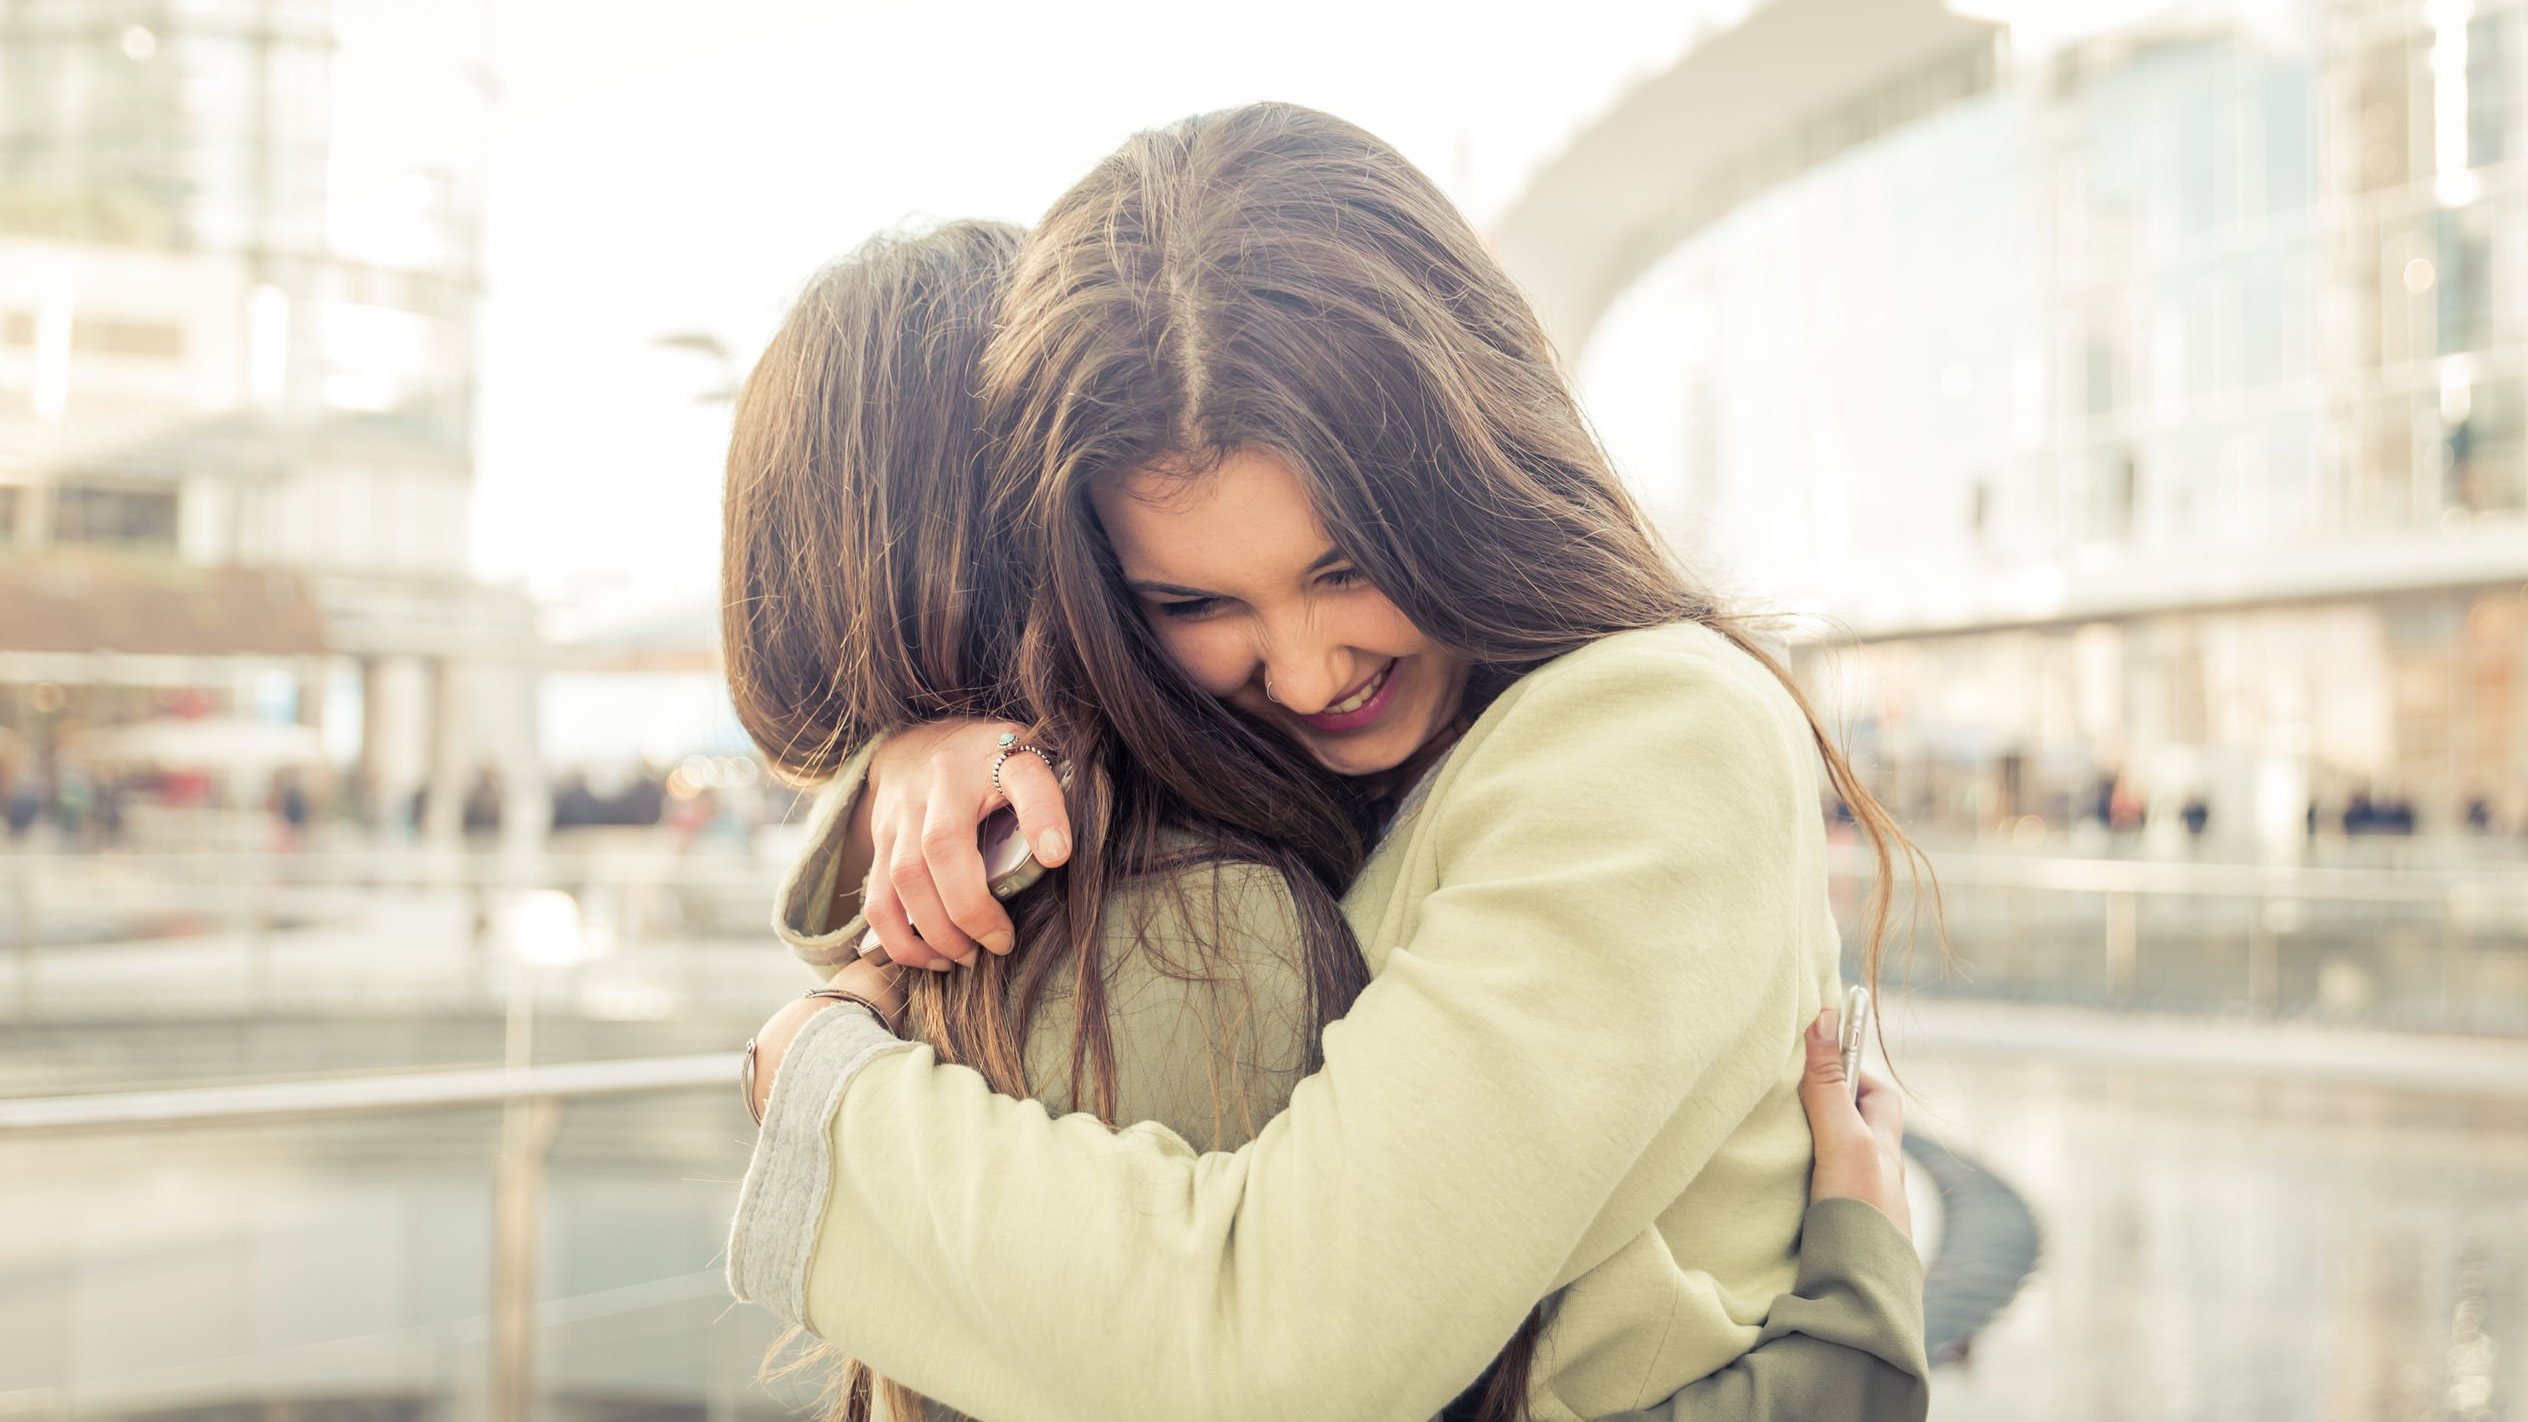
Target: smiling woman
[{"x": 1253, "y": 600}]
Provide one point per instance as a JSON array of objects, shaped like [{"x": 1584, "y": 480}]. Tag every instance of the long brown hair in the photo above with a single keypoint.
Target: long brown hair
[
  {"x": 1274, "y": 277},
  {"x": 866, "y": 589}
]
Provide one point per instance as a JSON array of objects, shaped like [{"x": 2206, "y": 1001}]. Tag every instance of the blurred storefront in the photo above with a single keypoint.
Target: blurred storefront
[
  {"x": 2141, "y": 410},
  {"x": 238, "y": 280}
]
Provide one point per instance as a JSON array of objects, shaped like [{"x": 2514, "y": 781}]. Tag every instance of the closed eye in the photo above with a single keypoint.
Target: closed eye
[{"x": 1191, "y": 607}]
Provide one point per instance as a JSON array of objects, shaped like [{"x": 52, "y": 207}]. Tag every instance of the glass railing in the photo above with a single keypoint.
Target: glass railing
[
  {"x": 493, "y": 1243},
  {"x": 2441, "y": 949}
]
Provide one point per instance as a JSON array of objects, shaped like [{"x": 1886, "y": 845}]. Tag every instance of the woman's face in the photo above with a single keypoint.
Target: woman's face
[{"x": 1248, "y": 594}]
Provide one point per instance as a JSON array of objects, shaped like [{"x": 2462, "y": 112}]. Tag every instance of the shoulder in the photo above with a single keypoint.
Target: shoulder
[
  {"x": 1656, "y": 691},
  {"x": 1204, "y": 910},
  {"x": 1207, "y": 996},
  {"x": 1671, "y": 727}
]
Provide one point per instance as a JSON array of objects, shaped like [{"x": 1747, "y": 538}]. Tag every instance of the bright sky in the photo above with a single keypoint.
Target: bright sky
[{"x": 675, "y": 173}]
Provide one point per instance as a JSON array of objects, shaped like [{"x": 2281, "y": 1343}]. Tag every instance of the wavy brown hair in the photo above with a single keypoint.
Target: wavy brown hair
[
  {"x": 1274, "y": 277},
  {"x": 866, "y": 589}
]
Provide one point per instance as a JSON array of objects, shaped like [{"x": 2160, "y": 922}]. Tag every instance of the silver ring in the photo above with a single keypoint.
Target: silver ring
[{"x": 1010, "y": 746}]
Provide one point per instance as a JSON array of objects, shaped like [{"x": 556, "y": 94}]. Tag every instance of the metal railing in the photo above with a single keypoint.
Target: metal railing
[
  {"x": 245, "y": 927},
  {"x": 2435, "y": 947},
  {"x": 399, "y": 1091},
  {"x": 530, "y": 1098}
]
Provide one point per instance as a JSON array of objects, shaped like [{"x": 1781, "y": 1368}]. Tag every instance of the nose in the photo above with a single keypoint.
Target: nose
[{"x": 1306, "y": 675}]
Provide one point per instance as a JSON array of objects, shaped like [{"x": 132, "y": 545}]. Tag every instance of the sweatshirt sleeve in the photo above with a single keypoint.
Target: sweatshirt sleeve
[
  {"x": 1847, "y": 1342},
  {"x": 1479, "y": 1110},
  {"x": 805, "y": 900}
]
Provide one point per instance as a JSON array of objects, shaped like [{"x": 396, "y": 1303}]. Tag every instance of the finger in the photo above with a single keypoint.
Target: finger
[
  {"x": 894, "y": 931},
  {"x": 909, "y": 872},
  {"x": 1044, "y": 817},
  {"x": 1882, "y": 1111},
  {"x": 950, "y": 850},
  {"x": 880, "y": 904}
]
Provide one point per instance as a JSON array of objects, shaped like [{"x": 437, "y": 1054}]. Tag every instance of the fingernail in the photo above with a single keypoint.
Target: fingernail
[
  {"x": 999, "y": 943},
  {"x": 940, "y": 965},
  {"x": 1051, "y": 845},
  {"x": 1824, "y": 1027},
  {"x": 872, "y": 944},
  {"x": 968, "y": 960}
]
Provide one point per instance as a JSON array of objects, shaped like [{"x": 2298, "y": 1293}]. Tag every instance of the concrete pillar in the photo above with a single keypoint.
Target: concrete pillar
[
  {"x": 516, "y": 734},
  {"x": 448, "y": 735},
  {"x": 35, "y": 513},
  {"x": 311, "y": 692},
  {"x": 395, "y": 701},
  {"x": 369, "y": 769}
]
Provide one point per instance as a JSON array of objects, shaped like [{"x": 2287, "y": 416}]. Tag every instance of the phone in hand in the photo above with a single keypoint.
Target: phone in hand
[
  {"x": 1854, "y": 1035},
  {"x": 1008, "y": 865}
]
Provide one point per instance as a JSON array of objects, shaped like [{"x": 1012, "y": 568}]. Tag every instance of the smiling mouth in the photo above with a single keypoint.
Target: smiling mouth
[
  {"x": 1365, "y": 706},
  {"x": 1361, "y": 698}
]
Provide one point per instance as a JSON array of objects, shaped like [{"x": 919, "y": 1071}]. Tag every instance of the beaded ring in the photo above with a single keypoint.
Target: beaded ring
[{"x": 1010, "y": 746}]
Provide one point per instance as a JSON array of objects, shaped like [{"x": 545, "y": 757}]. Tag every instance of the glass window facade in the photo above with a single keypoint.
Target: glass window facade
[
  {"x": 143, "y": 518},
  {"x": 2184, "y": 304}
]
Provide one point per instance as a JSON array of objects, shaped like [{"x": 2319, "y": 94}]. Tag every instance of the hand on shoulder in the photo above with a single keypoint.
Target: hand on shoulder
[{"x": 930, "y": 788}]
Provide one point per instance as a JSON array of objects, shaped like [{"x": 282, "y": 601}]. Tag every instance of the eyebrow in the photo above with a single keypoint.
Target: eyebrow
[{"x": 1325, "y": 560}]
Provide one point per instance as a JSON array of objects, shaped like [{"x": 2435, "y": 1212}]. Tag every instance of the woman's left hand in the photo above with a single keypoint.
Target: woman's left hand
[
  {"x": 867, "y": 979},
  {"x": 1860, "y": 1146}
]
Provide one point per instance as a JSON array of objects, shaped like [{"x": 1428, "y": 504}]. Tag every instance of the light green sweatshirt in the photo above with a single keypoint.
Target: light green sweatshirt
[{"x": 1596, "y": 941}]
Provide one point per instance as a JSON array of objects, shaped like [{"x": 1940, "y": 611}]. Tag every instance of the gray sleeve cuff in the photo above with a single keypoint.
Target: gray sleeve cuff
[
  {"x": 783, "y": 1197},
  {"x": 1860, "y": 1285},
  {"x": 807, "y": 887}
]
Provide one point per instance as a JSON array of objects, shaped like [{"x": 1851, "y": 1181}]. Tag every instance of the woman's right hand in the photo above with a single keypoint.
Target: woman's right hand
[
  {"x": 928, "y": 791},
  {"x": 1860, "y": 1150}
]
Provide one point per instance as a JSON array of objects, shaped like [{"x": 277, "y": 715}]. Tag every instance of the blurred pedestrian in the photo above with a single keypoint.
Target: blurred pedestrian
[
  {"x": 288, "y": 803},
  {"x": 74, "y": 803},
  {"x": 25, "y": 803},
  {"x": 481, "y": 814},
  {"x": 2361, "y": 814},
  {"x": 2127, "y": 810}
]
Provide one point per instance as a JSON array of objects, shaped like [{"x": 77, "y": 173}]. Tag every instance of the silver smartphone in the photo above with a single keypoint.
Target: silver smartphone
[
  {"x": 1008, "y": 865},
  {"x": 1854, "y": 1035}
]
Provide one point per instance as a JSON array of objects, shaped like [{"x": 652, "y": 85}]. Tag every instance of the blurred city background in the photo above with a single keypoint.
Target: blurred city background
[{"x": 2125, "y": 406}]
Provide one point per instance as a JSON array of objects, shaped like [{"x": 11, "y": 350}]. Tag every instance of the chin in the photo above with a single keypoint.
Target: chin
[{"x": 1348, "y": 759}]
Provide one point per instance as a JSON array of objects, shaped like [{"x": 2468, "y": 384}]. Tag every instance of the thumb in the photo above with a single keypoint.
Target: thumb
[{"x": 1824, "y": 1091}]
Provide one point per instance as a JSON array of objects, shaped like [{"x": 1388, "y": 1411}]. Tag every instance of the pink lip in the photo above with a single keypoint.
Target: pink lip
[{"x": 1362, "y": 715}]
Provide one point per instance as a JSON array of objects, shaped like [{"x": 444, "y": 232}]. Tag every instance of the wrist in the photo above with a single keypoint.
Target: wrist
[
  {"x": 880, "y": 984},
  {"x": 767, "y": 1047}
]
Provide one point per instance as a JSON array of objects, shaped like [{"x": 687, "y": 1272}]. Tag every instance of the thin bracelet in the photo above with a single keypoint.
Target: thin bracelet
[
  {"x": 836, "y": 994},
  {"x": 746, "y": 1063}
]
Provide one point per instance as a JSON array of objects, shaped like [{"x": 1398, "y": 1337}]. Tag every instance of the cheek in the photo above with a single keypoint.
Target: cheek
[
  {"x": 1211, "y": 654},
  {"x": 1381, "y": 626}
]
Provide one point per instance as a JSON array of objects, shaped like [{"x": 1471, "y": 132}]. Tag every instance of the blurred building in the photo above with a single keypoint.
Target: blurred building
[
  {"x": 238, "y": 281},
  {"x": 2143, "y": 405}
]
